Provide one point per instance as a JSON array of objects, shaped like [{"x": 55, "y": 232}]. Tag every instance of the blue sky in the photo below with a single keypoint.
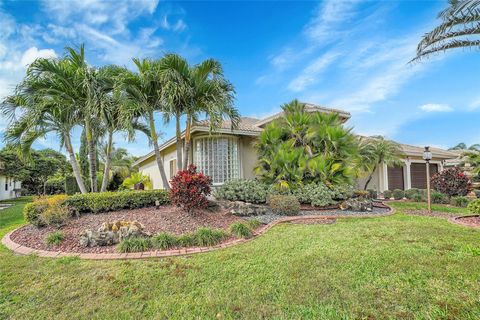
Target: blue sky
[{"x": 350, "y": 55}]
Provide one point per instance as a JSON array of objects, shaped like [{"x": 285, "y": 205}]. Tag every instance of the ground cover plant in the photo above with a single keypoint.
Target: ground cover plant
[{"x": 398, "y": 267}]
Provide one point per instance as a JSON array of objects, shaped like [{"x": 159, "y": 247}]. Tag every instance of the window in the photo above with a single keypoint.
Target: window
[
  {"x": 173, "y": 167},
  {"x": 217, "y": 157},
  {"x": 6, "y": 184}
]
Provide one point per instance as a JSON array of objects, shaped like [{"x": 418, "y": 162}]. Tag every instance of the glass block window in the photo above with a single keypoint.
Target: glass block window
[{"x": 217, "y": 157}]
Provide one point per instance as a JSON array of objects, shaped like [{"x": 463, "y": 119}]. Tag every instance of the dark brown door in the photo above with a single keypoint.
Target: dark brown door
[
  {"x": 395, "y": 178},
  {"x": 418, "y": 174}
]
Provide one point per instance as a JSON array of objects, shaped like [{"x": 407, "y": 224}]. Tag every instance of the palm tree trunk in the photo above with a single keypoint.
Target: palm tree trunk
[
  {"x": 154, "y": 137},
  {"x": 370, "y": 177},
  {"x": 92, "y": 158},
  {"x": 179, "y": 142},
  {"x": 74, "y": 164},
  {"x": 186, "y": 150},
  {"x": 108, "y": 160}
]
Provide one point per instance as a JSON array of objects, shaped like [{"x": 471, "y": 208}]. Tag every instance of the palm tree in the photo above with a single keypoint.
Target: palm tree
[
  {"x": 44, "y": 111},
  {"x": 463, "y": 146},
  {"x": 143, "y": 98},
  {"x": 459, "y": 21},
  {"x": 303, "y": 147},
  {"x": 193, "y": 91},
  {"x": 377, "y": 150}
]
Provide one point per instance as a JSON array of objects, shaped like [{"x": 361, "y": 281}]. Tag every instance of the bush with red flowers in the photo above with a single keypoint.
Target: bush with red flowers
[
  {"x": 452, "y": 182},
  {"x": 189, "y": 189}
]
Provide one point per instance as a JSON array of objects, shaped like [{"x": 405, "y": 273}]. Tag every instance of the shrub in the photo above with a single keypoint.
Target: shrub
[
  {"x": 417, "y": 197},
  {"x": 342, "y": 192},
  {"x": 252, "y": 191},
  {"x": 477, "y": 193},
  {"x": 283, "y": 204},
  {"x": 410, "y": 193},
  {"x": 187, "y": 240},
  {"x": 387, "y": 194},
  {"x": 361, "y": 194},
  {"x": 135, "y": 244},
  {"x": 452, "y": 182},
  {"x": 54, "y": 238},
  {"x": 459, "y": 201},
  {"x": 438, "y": 197},
  {"x": 110, "y": 201},
  {"x": 474, "y": 207},
  {"x": 55, "y": 185},
  {"x": 253, "y": 224},
  {"x": 190, "y": 189},
  {"x": 209, "y": 237},
  {"x": 71, "y": 186},
  {"x": 315, "y": 194},
  {"x": 164, "y": 241},
  {"x": 46, "y": 211},
  {"x": 372, "y": 193},
  {"x": 241, "y": 230},
  {"x": 137, "y": 178},
  {"x": 398, "y": 194}
]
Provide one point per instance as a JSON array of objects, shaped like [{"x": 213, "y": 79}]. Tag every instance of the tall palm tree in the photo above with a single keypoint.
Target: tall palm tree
[
  {"x": 194, "y": 91},
  {"x": 463, "y": 146},
  {"x": 377, "y": 150},
  {"x": 143, "y": 98},
  {"x": 460, "y": 22},
  {"x": 43, "y": 111}
]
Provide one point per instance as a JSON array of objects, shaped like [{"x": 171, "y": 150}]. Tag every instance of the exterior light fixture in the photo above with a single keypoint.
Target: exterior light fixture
[{"x": 427, "y": 156}]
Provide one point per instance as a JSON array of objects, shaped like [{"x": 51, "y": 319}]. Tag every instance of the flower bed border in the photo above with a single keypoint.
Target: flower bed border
[
  {"x": 458, "y": 221},
  {"x": 23, "y": 250}
]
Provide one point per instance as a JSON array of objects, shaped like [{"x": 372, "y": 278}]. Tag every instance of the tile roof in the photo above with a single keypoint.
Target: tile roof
[{"x": 245, "y": 124}]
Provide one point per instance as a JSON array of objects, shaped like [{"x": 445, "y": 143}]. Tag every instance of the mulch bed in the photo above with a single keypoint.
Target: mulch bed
[
  {"x": 473, "y": 221},
  {"x": 168, "y": 219}
]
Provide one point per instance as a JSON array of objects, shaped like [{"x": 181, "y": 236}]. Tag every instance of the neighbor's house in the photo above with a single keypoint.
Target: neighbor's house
[
  {"x": 9, "y": 188},
  {"x": 229, "y": 154}
]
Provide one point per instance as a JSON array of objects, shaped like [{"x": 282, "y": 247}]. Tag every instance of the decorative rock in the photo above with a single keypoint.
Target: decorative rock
[
  {"x": 357, "y": 204},
  {"x": 241, "y": 208},
  {"x": 112, "y": 233}
]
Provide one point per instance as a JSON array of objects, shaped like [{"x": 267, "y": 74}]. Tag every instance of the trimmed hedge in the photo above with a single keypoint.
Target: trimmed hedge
[
  {"x": 474, "y": 207},
  {"x": 111, "y": 201},
  {"x": 252, "y": 191},
  {"x": 398, "y": 194},
  {"x": 284, "y": 205}
]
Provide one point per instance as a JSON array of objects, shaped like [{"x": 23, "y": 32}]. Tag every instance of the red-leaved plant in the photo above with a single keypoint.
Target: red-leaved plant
[
  {"x": 189, "y": 189},
  {"x": 452, "y": 182}
]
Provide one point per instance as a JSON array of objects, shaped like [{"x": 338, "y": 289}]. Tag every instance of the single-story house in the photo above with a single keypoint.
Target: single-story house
[
  {"x": 9, "y": 188},
  {"x": 229, "y": 154}
]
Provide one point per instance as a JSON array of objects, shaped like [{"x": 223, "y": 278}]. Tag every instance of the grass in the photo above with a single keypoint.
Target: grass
[
  {"x": 54, "y": 238},
  {"x": 435, "y": 207},
  {"x": 396, "y": 267}
]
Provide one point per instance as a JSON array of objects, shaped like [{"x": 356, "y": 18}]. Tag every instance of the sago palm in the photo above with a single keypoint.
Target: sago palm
[{"x": 460, "y": 28}]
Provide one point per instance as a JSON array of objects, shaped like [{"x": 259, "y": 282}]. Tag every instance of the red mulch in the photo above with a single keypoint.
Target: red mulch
[
  {"x": 470, "y": 221},
  {"x": 168, "y": 219}
]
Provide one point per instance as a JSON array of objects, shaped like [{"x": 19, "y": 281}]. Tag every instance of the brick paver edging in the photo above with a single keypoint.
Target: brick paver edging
[
  {"x": 458, "y": 221},
  {"x": 22, "y": 250}
]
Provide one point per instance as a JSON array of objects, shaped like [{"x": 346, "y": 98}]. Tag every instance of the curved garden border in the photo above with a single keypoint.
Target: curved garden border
[
  {"x": 23, "y": 250},
  {"x": 458, "y": 221}
]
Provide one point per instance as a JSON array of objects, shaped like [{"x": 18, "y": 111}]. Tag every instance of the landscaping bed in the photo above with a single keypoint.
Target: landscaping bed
[
  {"x": 470, "y": 221},
  {"x": 164, "y": 219},
  {"x": 270, "y": 217}
]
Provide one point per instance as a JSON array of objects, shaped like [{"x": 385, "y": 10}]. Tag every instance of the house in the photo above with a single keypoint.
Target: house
[
  {"x": 229, "y": 154},
  {"x": 9, "y": 188}
]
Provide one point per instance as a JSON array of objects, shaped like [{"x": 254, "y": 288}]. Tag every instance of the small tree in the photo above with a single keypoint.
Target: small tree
[
  {"x": 452, "y": 182},
  {"x": 189, "y": 189}
]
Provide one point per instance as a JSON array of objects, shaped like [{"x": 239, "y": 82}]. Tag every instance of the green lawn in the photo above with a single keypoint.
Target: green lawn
[{"x": 397, "y": 267}]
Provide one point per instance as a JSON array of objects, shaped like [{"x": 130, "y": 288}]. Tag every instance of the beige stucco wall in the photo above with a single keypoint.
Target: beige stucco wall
[
  {"x": 248, "y": 156},
  {"x": 150, "y": 167}
]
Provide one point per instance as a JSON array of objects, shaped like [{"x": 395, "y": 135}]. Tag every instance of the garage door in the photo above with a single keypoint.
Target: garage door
[
  {"x": 395, "y": 178},
  {"x": 418, "y": 174}
]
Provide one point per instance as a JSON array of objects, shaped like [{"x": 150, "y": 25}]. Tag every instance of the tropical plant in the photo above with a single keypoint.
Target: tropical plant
[
  {"x": 136, "y": 178},
  {"x": 377, "y": 150},
  {"x": 192, "y": 91},
  {"x": 143, "y": 98},
  {"x": 190, "y": 189},
  {"x": 452, "y": 182},
  {"x": 460, "y": 21},
  {"x": 46, "y": 102},
  {"x": 463, "y": 146},
  {"x": 303, "y": 147}
]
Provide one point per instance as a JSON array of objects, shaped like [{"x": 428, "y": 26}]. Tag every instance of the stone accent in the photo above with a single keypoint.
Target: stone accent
[
  {"x": 357, "y": 204},
  {"x": 240, "y": 208},
  {"x": 19, "y": 249},
  {"x": 112, "y": 233}
]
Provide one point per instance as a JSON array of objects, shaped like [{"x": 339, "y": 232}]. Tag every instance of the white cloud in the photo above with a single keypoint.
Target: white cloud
[
  {"x": 310, "y": 74},
  {"x": 33, "y": 53},
  {"x": 474, "y": 105},
  {"x": 436, "y": 107},
  {"x": 178, "y": 26}
]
